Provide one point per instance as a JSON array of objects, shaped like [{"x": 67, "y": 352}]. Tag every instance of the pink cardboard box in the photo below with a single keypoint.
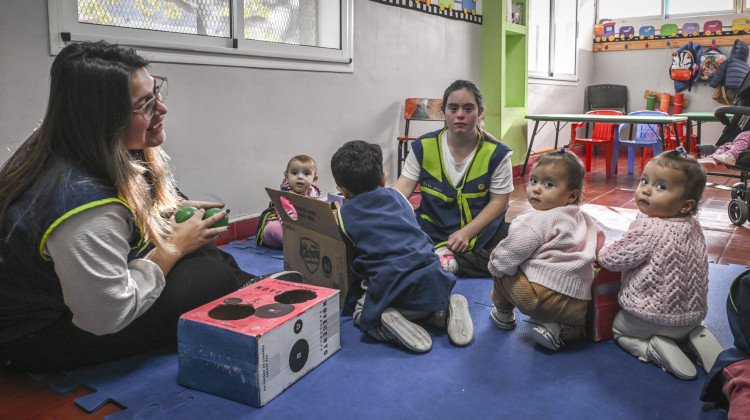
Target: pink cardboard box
[{"x": 252, "y": 344}]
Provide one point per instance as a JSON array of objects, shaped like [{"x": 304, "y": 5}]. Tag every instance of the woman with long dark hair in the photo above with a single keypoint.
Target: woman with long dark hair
[{"x": 92, "y": 265}]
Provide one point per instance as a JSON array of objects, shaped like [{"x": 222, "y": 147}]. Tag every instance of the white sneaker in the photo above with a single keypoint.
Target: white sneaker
[
  {"x": 666, "y": 354},
  {"x": 704, "y": 345},
  {"x": 726, "y": 158},
  {"x": 460, "y": 327},
  {"x": 402, "y": 331},
  {"x": 548, "y": 335},
  {"x": 505, "y": 320},
  {"x": 707, "y": 163}
]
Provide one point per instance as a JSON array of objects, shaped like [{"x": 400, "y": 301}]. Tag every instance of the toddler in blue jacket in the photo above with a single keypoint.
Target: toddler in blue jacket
[{"x": 400, "y": 276}]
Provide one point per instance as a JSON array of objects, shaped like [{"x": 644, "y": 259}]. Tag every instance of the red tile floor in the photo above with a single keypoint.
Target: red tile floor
[{"x": 610, "y": 200}]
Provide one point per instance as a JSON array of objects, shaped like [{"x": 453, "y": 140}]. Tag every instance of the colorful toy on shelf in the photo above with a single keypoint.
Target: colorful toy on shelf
[
  {"x": 668, "y": 30},
  {"x": 741, "y": 25},
  {"x": 691, "y": 29},
  {"x": 604, "y": 31},
  {"x": 627, "y": 32},
  {"x": 646, "y": 32},
  {"x": 712, "y": 27}
]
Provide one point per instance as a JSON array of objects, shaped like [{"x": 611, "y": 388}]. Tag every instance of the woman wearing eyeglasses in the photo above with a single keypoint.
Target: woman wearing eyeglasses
[{"x": 92, "y": 265}]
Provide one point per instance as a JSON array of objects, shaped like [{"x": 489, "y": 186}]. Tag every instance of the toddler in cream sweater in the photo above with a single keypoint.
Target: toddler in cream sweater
[{"x": 544, "y": 267}]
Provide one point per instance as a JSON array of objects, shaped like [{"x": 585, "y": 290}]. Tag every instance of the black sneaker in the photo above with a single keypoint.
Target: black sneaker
[
  {"x": 548, "y": 335},
  {"x": 505, "y": 320}
]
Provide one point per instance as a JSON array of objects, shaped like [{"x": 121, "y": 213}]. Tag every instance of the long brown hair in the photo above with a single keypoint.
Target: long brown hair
[{"x": 88, "y": 111}]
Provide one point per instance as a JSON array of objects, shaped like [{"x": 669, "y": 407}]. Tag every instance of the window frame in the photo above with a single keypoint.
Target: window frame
[
  {"x": 667, "y": 15},
  {"x": 738, "y": 5},
  {"x": 551, "y": 75},
  {"x": 235, "y": 51}
]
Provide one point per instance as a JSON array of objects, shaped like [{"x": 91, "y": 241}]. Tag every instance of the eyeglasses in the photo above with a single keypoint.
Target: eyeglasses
[{"x": 161, "y": 87}]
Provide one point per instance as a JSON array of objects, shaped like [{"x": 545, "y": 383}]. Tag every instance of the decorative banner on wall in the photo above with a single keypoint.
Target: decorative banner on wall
[
  {"x": 607, "y": 37},
  {"x": 465, "y": 10}
]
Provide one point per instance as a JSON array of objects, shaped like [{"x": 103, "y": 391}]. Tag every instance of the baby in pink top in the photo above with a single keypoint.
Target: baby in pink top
[
  {"x": 664, "y": 264},
  {"x": 545, "y": 266}
]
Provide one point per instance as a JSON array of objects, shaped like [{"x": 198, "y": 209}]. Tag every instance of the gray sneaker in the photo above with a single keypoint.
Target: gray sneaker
[
  {"x": 402, "y": 331},
  {"x": 704, "y": 345},
  {"x": 505, "y": 320},
  {"x": 460, "y": 327},
  {"x": 293, "y": 276},
  {"x": 666, "y": 354},
  {"x": 548, "y": 335}
]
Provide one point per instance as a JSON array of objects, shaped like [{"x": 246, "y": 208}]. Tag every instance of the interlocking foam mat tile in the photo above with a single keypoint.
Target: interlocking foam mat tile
[{"x": 502, "y": 374}]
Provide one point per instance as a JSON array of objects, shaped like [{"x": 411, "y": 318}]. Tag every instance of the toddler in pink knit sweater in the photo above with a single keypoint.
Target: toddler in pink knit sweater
[
  {"x": 544, "y": 267},
  {"x": 664, "y": 266}
]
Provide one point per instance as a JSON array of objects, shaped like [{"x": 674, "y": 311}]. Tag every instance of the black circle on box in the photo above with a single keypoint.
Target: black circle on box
[
  {"x": 295, "y": 296},
  {"x": 327, "y": 266},
  {"x": 298, "y": 355},
  {"x": 231, "y": 312},
  {"x": 298, "y": 326},
  {"x": 274, "y": 310}
]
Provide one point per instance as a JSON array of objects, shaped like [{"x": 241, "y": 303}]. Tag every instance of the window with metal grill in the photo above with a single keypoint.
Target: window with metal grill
[{"x": 289, "y": 34}]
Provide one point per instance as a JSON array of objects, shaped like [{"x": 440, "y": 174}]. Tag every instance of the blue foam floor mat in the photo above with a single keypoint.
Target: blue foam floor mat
[{"x": 502, "y": 374}]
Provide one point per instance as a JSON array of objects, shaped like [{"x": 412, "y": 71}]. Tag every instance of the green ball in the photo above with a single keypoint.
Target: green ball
[
  {"x": 222, "y": 222},
  {"x": 185, "y": 213}
]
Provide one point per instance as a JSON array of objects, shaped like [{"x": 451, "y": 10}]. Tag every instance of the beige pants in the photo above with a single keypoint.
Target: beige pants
[{"x": 541, "y": 303}]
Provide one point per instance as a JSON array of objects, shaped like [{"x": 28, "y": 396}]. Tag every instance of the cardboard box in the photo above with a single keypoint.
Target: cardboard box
[
  {"x": 604, "y": 305},
  {"x": 313, "y": 244},
  {"x": 252, "y": 344}
]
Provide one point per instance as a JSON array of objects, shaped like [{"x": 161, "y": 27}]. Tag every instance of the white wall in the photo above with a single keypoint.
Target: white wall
[{"x": 231, "y": 131}]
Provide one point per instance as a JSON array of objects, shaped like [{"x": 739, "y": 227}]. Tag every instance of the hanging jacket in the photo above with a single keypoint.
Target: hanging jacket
[{"x": 733, "y": 70}]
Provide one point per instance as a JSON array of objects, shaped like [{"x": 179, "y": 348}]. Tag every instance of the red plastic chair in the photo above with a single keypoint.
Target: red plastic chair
[
  {"x": 672, "y": 142},
  {"x": 603, "y": 134}
]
